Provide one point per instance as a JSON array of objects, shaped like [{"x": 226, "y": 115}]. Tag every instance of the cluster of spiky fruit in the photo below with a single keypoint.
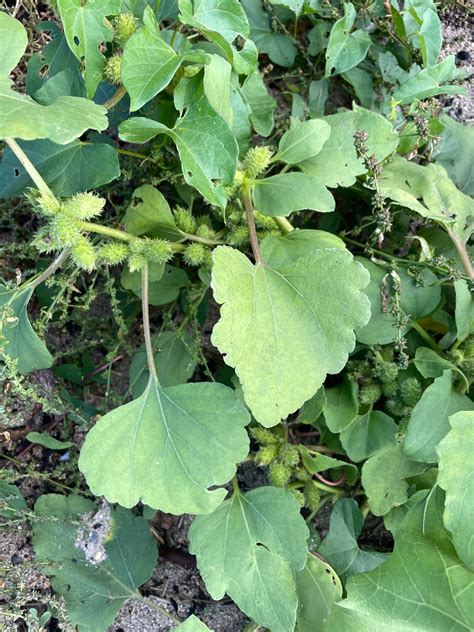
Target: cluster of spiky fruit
[
  {"x": 285, "y": 468},
  {"x": 65, "y": 229},
  {"x": 124, "y": 26}
]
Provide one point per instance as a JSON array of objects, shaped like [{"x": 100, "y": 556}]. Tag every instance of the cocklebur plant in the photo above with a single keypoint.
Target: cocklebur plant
[{"x": 348, "y": 371}]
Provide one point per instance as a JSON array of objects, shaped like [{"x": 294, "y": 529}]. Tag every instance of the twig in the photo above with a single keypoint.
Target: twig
[
  {"x": 462, "y": 252},
  {"x": 29, "y": 166},
  {"x": 247, "y": 197},
  {"x": 146, "y": 324},
  {"x": 115, "y": 98}
]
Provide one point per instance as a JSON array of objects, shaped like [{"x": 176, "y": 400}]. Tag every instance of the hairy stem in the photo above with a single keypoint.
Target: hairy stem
[
  {"x": 115, "y": 98},
  {"x": 463, "y": 254},
  {"x": 146, "y": 324},
  {"x": 247, "y": 197},
  {"x": 133, "y": 154},
  {"x": 29, "y": 166},
  {"x": 203, "y": 240},
  {"x": 50, "y": 270},
  {"x": 426, "y": 337},
  {"x": 115, "y": 233}
]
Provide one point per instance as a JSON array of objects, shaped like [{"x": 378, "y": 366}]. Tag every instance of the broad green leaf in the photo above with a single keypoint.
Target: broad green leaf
[
  {"x": 302, "y": 141},
  {"x": 422, "y": 585},
  {"x": 61, "y": 122},
  {"x": 206, "y": 147},
  {"x": 278, "y": 46},
  {"x": 318, "y": 588},
  {"x": 431, "y": 38},
  {"x": 173, "y": 361},
  {"x": 217, "y": 87},
  {"x": 86, "y": 29},
  {"x": 337, "y": 163},
  {"x": 226, "y": 17},
  {"x": 149, "y": 63},
  {"x": 93, "y": 591},
  {"x": 431, "y": 364},
  {"x": 368, "y": 434},
  {"x": 18, "y": 339},
  {"x": 313, "y": 408},
  {"x": 429, "y": 192},
  {"x": 167, "y": 448},
  {"x": 262, "y": 105},
  {"x": 342, "y": 405},
  {"x": 67, "y": 169},
  {"x": 11, "y": 501},
  {"x": 345, "y": 49},
  {"x": 249, "y": 548},
  {"x": 149, "y": 214},
  {"x": 294, "y": 5},
  {"x": 13, "y": 43},
  {"x": 316, "y": 462},
  {"x": 192, "y": 624},
  {"x": 277, "y": 325},
  {"x": 415, "y": 301},
  {"x": 340, "y": 547},
  {"x": 429, "y": 419},
  {"x": 55, "y": 71},
  {"x": 464, "y": 310},
  {"x": 288, "y": 248},
  {"x": 455, "y": 152},
  {"x": 429, "y": 82},
  {"x": 363, "y": 86},
  {"x": 44, "y": 439},
  {"x": 318, "y": 95},
  {"x": 288, "y": 192},
  {"x": 384, "y": 479},
  {"x": 165, "y": 283},
  {"x": 456, "y": 477}
]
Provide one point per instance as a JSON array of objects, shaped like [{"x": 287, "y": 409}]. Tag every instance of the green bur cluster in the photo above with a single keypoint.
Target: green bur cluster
[
  {"x": 65, "y": 228},
  {"x": 284, "y": 465}
]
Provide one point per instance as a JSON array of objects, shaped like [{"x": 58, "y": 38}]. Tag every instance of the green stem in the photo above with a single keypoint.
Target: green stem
[
  {"x": 284, "y": 224},
  {"x": 146, "y": 324},
  {"x": 426, "y": 337},
  {"x": 203, "y": 240},
  {"x": 247, "y": 198},
  {"x": 462, "y": 252},
  {"x": 235, "y": 485},
  {"x": 326, "y": 488},
  {"x": 115, "y": 98},
  {"x": 133, "y": 154},
  {"x": 29, "y": 166},
  {"x": 114, "y": 233},
  {"x": 50, "y": 270}
]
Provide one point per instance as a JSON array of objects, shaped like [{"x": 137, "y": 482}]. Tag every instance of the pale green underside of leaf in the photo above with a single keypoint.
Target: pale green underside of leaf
[
  {"x": 93, "y": 593},
  {"x": 337, "y": 163},
  {"x": 61, "y": 122},
  {"x": 285, "y": 193},
  {"x": 167, "y": 447},
  {"x": 21, "y": 341},
  {"x": 249, "y": 548},
  {"x": 86, "y": 28},
  {"x": 422, "y": 586},
  {"x": 277, "y": 326},
  {"x": 286, "y": 249},
  {"x": 429, "y": 419},
  {"x": 13, "y": 42},
  {"x": 67, "y": 169},
  {"x": 192, "y": 624},
  {"x": 149, "y": 63},
  {"x": 456, "y": 477}
]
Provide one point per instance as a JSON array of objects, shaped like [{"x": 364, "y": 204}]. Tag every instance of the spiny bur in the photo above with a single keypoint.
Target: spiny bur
[
  {"x": 84, "y": 206},
  {"x": 113, "y": 69},
  {"x": 184, "y": 220},
  {"x": 113, "y": 254},
  {"x": 257, "y": 160},
  {"x": 125, "y": 26},
  {"x": 83, "y": 253},
  {"x": 195, "y": 254}
]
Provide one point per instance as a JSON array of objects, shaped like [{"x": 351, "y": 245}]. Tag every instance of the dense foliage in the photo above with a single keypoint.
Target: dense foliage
[{"x": 280, "y": 171}]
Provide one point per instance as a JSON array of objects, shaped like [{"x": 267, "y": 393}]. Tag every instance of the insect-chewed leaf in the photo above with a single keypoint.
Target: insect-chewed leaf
[
  {"x": 277, "y": 326},
  {"x": 121, "y": 555},
  {"x": 20, "y": 340},
  {"x": 456, "y": 477},
  {"x": 345, "y": 49},
  {"x": 249, "y": 548},
  {"x": 86, "y": 28},
  {"x": 318, "y": 589},
  {"x": 167, "y": 447},
  {"x": 13, "y": 42}
]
